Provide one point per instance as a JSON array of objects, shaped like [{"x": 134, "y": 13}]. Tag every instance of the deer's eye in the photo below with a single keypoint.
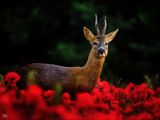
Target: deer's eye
[
  {"x": 95, "y": 43},
  {"x": 106, "y": 43}
]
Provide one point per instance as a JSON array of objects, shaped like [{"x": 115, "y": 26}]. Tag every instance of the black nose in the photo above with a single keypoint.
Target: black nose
[{"x": 101, "y": 51}]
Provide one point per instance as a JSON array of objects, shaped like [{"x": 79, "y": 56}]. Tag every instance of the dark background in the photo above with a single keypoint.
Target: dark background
[{"x": 51, "y": 32}]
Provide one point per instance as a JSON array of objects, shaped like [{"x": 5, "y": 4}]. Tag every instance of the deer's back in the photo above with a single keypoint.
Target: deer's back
[{"x": 46, "y": 75}]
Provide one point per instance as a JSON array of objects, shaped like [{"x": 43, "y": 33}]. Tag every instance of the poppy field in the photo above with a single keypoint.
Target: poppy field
[{"x": 104, "y": 102}]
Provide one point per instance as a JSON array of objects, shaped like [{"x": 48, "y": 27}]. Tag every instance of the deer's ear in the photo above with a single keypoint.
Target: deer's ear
[
  {"x": 88, "y": 34},
  {"x": 110, "y": 36}
]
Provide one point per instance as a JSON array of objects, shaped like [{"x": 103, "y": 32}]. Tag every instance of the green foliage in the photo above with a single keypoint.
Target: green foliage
[
  {"x": 1, "y": 79},
  {"x": 58, "y": 89},
  {"x": 67, "y": 52},
  {"x": 152, "y": 81},
  {"x": 149, "y": 81},
  {"x": 84, "y": 7}
]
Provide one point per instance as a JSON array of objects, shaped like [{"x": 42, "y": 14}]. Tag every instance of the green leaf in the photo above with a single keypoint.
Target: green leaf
[{"x": 149, "y": 81}]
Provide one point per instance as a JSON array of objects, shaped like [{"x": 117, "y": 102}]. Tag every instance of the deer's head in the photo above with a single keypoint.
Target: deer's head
[{"x": 100, "y": 41}]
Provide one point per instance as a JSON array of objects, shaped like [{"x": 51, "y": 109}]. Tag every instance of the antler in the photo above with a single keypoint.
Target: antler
[
  {"x": 104, "y": 25},
  {"x": 96, "y": 25}
]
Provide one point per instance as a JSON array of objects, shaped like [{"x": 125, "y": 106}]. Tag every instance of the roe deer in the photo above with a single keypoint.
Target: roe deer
[{"x": 74, "y": 78}]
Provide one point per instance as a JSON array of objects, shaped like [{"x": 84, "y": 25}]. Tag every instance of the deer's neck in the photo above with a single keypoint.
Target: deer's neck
[{"x": 94, "y": 65}]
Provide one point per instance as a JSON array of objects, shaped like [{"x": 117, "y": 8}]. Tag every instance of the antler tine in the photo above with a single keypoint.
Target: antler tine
[
  {"x": 104, "y": 25},
  {"x": 96, "y": 25}
]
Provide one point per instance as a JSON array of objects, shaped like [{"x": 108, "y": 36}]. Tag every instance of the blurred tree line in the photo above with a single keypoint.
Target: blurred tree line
[{"x": 51, "y": 32}]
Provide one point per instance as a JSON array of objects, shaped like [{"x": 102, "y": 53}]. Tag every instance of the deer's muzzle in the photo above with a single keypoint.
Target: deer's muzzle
[{"x": 101, "y": 52}]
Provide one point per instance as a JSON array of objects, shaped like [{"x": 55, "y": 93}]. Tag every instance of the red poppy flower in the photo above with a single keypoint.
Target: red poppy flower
[
  {"x": 12, "y": 77},
  {"x": 2, "y": 88},
  {"x": 128, "y": 109},
  {"x": 66, "y": 99},
  {"x": 84, "y": 100},
  {"x": 141, "y": 116},
  {"x": 97, "y": 95},
  {"x": 158, "y": 91},
  {"x": 49, "y": 95},
  {"x": 33, "y": 91}
]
